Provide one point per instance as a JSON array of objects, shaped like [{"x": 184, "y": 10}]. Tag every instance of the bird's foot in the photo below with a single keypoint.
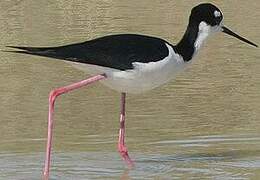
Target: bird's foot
[{"x": 122, "y": 149}]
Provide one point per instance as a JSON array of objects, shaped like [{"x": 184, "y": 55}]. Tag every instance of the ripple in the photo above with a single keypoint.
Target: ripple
[
  {"x": 98, "y": 165},
  {"x": 207, "y": 140}
]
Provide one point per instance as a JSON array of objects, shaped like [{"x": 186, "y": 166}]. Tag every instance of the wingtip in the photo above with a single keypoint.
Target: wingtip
[
  {"x": 11, "y": 46},
  {"x": 17, "y": 47},
  {"x": 13, "y": 51}
]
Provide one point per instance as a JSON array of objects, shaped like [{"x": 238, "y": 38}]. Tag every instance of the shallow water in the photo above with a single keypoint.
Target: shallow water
[{"x": 203, "y": 125}]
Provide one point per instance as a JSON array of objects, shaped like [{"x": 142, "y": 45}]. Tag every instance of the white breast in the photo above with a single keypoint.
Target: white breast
[{"x": 144, "y": 76}]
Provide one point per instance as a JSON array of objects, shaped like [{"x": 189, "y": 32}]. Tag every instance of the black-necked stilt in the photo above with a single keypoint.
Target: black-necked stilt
[{"x": 131, "y": 63}]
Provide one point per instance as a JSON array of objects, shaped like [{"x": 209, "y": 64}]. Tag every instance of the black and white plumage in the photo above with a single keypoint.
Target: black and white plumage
[
  {"x": 131, "y": 63},
  {"x": 137, "y": 63},
  {"x": 114, "y": 51}
]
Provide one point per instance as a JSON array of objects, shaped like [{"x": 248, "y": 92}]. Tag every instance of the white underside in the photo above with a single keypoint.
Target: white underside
[{"x": 144, "y": 76}]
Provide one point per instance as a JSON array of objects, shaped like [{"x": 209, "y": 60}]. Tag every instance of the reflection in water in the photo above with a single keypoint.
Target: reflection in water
[
  {"x": 104, "y": 165},
  {"x": 125, "y": 175},
  {"x": 203, "y": 125}
]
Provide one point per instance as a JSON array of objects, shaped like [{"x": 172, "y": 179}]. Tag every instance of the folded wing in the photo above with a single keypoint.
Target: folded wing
[{"x": 115, "y": 51}]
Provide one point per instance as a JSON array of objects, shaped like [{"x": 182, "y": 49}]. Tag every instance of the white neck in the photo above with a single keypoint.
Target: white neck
[{"x": 204, "y": 32}]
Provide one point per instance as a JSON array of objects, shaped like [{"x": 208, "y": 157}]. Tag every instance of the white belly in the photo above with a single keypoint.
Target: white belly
[{"x": 144, "y": 76}]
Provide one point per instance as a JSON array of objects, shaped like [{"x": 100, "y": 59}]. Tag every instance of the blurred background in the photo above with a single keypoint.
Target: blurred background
[{"x": 205, "y": 124}]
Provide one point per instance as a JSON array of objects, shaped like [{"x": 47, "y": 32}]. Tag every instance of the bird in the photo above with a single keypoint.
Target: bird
[{"x": 130, "y": 63}]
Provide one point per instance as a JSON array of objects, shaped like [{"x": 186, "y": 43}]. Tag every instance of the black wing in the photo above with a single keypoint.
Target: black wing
[{"x": 115, "y": 51}]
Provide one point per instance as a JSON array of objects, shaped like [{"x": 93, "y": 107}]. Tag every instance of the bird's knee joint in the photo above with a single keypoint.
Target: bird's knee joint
[{"x": 53, "y": 95}]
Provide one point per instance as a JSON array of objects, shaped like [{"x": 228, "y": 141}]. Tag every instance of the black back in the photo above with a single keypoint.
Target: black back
[{"x": 114, "y": 51}]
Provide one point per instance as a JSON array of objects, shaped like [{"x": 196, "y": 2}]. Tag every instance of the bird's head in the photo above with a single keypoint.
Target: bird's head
[{"x": 208, "y": 19}]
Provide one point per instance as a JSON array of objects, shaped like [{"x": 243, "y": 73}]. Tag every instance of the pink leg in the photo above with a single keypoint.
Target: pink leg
[
  {"x": 53, "y": 95},
  {"x": 121, "y": 140}
]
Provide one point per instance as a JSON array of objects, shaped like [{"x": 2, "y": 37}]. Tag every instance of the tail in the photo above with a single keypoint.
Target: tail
[
  {"x": 39, "y": 51},
  {"x": 72, "y": 52},
  {"x": 79, "y": 52}
]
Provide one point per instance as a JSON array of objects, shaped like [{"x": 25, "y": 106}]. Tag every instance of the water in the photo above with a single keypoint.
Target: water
[{"x": 203, "y": 125}]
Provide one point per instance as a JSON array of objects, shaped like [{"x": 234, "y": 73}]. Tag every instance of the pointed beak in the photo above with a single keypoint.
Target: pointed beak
[{"x": 229, "y": 32}]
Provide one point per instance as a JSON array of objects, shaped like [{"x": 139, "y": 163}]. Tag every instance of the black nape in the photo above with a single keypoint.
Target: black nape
[{"x": 186, "y": 45}]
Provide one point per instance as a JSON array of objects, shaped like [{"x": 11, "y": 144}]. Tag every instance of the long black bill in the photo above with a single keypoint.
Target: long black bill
[{"x": 229, "y": 32}]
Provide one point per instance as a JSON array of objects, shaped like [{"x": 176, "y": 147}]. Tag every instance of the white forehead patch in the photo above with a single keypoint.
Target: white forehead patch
[{"x": 217, "y": 13}]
